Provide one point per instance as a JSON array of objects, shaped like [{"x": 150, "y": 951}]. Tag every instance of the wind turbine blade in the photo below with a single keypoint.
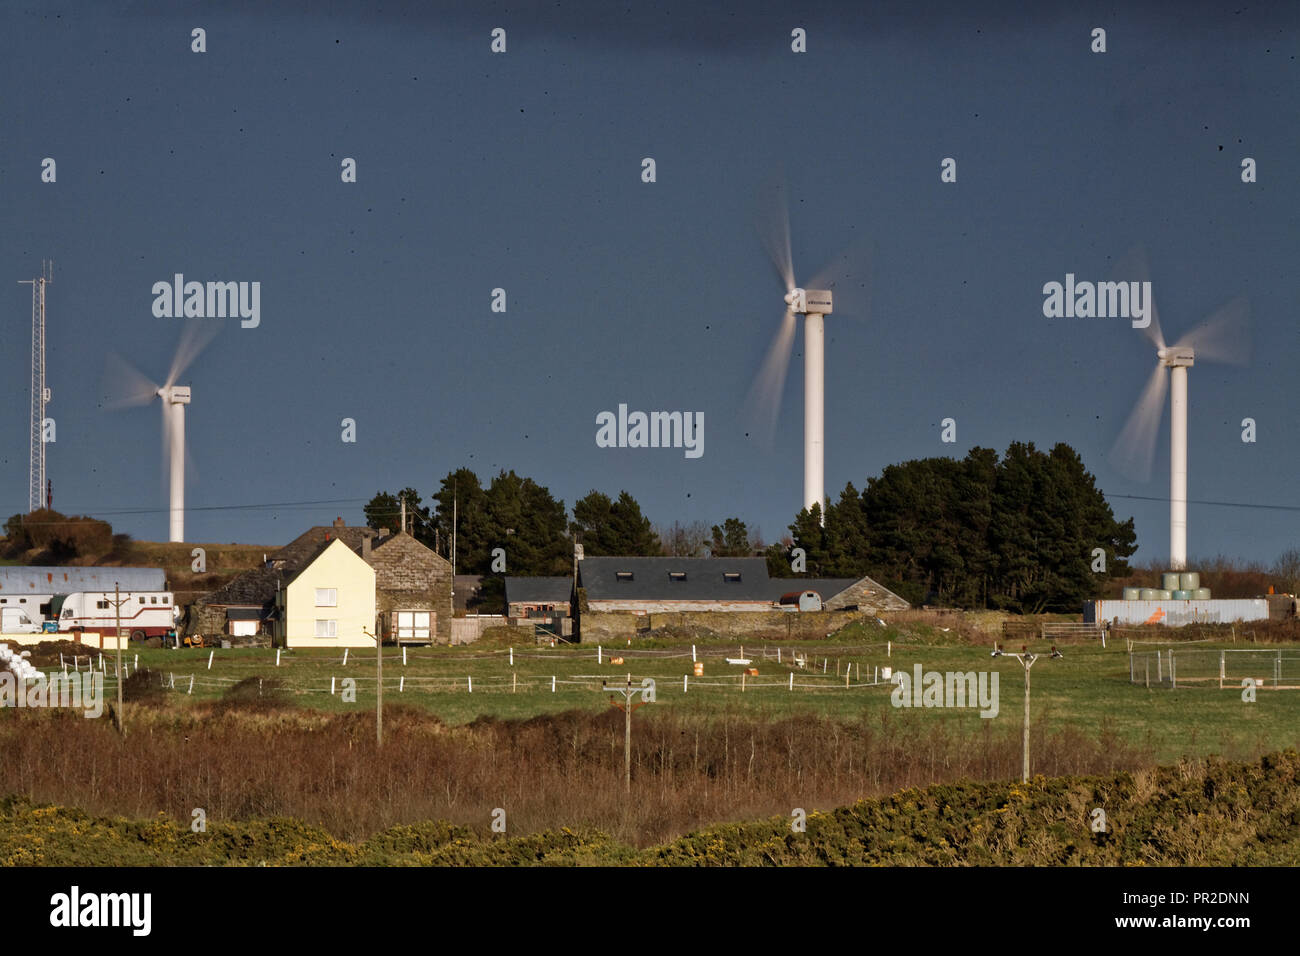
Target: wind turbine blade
[
  {"x": 195, "y": 337},
  {"x": 764, "y": 400},
  {"x": 848, "y": 277},
  {"x": 1135, "y": 448},
  {"x": 1132, "y": 267},
  {"x": 1224, "y": 336},
  {"x": 124, "y": 385},
  {"x": 772, "y": 223}
]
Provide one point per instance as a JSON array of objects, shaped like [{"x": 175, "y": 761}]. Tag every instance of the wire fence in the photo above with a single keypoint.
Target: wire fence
[
  {"x": 331, "y": 675},
  {"x": 1205, "y": 667},
  {"x": 469, "y": 684}
]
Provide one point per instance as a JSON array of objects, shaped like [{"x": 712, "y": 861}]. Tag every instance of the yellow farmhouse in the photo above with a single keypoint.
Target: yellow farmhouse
[{"x": 329, "y": 602}]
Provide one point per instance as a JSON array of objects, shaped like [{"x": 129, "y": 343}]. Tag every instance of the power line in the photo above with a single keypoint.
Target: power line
[
  {"x": 1220, "y": 504},
  {"x": 95, "y": 513}
]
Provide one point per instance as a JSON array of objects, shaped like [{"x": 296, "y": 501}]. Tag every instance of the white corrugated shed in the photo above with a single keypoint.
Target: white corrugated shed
[
  {"x": 1175, "y": 613},
  {"x": 68, "y": 580}
]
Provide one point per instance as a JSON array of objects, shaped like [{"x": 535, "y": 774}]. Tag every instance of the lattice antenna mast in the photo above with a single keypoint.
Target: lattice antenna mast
[{"x": 40, "y": 393}]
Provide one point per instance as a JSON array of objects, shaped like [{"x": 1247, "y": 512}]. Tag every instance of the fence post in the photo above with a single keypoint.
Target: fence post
[
  {"x": 692, "y": 653},
  {"x": 512, "y": 657},
  {"x": 598, "y": 654},
  {"x": 552, "y": 683},
  {"x": 792, "y": 680},
  {"x": 210, "y": 653},
  {"x": 470, "y": 679},
  {"x": 1160, "y": 668},
  {"x": 191, "y": 690},
  {"x": 1173, "y": 671},
  {"x": 277, "y": 657},
  {"x": 1222, "y": 662},
  {"x": 1130, "y": 667},
  {"x": 684, "y": 679},
  {"x": 331, "y": 686},
  {"x": 1148, "y": 671},
  {"x": 404, "y": 656}
]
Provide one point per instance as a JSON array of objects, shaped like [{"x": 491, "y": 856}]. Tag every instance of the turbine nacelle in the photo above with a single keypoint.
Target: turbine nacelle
[
  {"x": 1176, "y": 357},
  {"x": 175, "y": 394},
  {"x": 806, "y": 301}
]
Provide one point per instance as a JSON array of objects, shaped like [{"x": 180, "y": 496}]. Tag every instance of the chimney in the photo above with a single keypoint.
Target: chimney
[
  {"x": 365, "y": 548},
  {"x": 338, "y": 523}
]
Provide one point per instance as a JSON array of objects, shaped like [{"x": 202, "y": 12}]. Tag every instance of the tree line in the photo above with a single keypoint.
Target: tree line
[
  {"x": 1028, "y": 531},
  {"x": 535, "y": 529}
]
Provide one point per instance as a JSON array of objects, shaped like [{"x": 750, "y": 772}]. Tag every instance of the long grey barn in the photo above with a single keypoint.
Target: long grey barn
[
  {"x": 678, "y": 584},
  {"x": 68, "y": 580}
]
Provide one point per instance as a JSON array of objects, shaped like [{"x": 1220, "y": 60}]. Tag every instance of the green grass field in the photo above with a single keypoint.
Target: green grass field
[{"x": 1089, "y": 689}]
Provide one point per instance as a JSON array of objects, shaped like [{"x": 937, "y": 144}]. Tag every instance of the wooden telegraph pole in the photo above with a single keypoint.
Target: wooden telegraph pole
[
  {"x": 1026, "y": 661},
  {"x": 117, "y": 612},
  {"x": 647, "y": 691},
  {"x": 379, "y": 686}
]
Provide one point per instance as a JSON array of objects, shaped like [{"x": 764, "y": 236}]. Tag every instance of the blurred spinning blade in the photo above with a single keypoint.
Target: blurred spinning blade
[
  {"x": 763, "y": 404},
  {"x": 1134, "y": 450},
  {"x": 1224, "y": 336},
  {"x": 1133, "y": 267}
]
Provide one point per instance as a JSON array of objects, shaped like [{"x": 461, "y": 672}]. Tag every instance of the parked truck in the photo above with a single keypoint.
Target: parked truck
[{"x": 143, "y": 614}]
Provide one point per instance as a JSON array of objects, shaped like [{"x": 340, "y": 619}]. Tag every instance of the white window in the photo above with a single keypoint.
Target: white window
[
  {"x": 327, "y": 628},
  {"x": 413, "y": 625},
  {"x": 327, "y": 597}
]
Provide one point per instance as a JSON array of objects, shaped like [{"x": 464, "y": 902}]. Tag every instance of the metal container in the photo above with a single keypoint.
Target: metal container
[
  {"x": 1181, "y": 595},
  {"x": 1201, "y": 594},
  {"x": 1132, "y": 594},
  {"x": 1175, "y": 613},
  {"x": 1164, "y": 594},
  {"x": 1169, "y": 581},
  {"x": 1146, "y": 594},
  {"x": 1189, "y": 580}
]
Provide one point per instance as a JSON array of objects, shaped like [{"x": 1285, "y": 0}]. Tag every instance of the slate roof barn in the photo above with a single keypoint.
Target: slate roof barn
[{"x": 648, "y": 585}]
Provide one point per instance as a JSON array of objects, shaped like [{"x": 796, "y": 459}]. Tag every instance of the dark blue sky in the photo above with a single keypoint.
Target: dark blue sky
[{"x": 522, "y": 171}]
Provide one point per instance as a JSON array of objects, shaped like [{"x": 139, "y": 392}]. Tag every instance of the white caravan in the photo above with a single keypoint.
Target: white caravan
[{"x": 143, "y": 614}]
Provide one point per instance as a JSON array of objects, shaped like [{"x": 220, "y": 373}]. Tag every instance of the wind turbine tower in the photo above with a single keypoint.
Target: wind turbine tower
[
  {"x": 174, "y": 399},
  {"x": 813, "y": 305},
  {"x": 1223, "y": 337},
  {"x": 40, "y": 394},
  {"x": 1178, "y": 361},
  {"x": 126, "y": 386}
]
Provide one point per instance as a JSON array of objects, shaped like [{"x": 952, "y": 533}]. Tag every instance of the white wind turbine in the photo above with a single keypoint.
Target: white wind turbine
[
  {"x": 1224, "y": 336},
  {"x": 813, "y": 304},
  {"x": 126, "y": 387}
]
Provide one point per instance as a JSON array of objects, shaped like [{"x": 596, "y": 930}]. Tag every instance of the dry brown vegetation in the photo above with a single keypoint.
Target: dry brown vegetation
[{"x": 548, "y": 772}]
